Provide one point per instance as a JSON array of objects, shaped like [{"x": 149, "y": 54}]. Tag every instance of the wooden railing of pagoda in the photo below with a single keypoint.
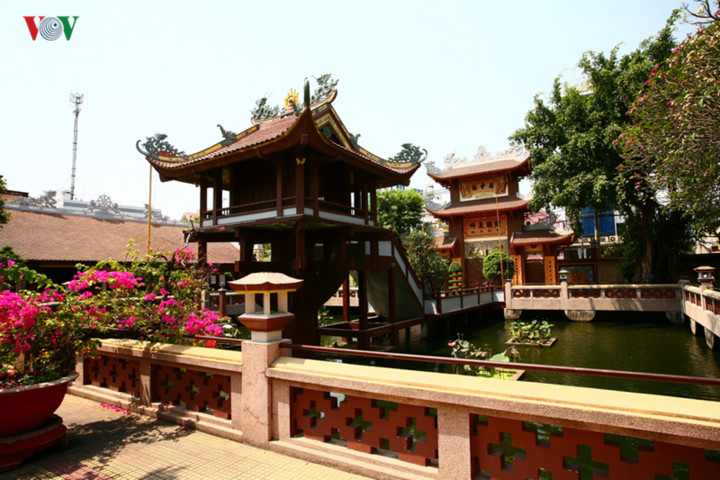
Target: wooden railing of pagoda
[
  {"x": 384, "y": 423},
  {"x": 253, "y": 208}
]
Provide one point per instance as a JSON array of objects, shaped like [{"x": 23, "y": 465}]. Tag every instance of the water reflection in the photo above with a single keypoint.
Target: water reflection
[{"x": 621, "y": 341}]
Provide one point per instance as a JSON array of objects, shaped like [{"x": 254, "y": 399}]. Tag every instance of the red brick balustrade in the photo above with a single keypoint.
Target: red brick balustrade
[
  {"x": 117, "y": 374},
  {"x": 366, "y": 425},
  {"x": 194, "y": 390},
  {"x": 514, "y": 449}
]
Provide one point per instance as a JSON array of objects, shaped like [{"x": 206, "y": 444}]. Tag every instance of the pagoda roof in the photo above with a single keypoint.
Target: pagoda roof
[
  {"x": 445, "y": 243},
  {"x": 480, "y": 207},
  {"x": 317, "y": 126},
  {"x": 513, "y": 159},
  {"x": 541, "y": 237}
]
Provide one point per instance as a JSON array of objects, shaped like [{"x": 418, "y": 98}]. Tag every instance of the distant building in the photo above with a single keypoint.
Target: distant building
[{"x": 55, "y": 236}]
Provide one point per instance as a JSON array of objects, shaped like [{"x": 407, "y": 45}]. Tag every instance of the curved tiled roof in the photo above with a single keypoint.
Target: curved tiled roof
[
  {"x": 503, "y": 205},
  {"x": 535, "y": 237},
  {"x": 480, "y": 169},
  {"x": 269, "y": 131}
]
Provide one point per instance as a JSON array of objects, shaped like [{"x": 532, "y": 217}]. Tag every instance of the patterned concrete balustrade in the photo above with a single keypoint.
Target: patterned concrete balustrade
[
  {"x": 580, "y": 302},
  {"x": 389, "y": 423},
  {"x": 702, "y": 307}
]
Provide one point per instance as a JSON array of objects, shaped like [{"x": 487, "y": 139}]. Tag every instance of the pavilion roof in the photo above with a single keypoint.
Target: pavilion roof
[
  {"x": 282, "y": 132},
  {"x": 72, "y": 238},
  {"x": 513, "y": 159},
  {"x": 483, "y": 206},
  {"x": 445, "y": 242},
  {"x": 541, "y": 237}
]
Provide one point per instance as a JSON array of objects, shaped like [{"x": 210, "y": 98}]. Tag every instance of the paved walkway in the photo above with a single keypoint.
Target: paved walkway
[{"x": 105, "y": 444}]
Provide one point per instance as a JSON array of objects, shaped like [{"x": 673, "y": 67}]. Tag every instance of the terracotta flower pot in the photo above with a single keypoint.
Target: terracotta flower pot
[{"x": 26, "y": 408}]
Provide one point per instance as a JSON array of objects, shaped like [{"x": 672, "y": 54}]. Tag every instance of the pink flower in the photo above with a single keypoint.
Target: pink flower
[
  {"x": 150, "y": 296},
  {"x": 452, "y": 344}
]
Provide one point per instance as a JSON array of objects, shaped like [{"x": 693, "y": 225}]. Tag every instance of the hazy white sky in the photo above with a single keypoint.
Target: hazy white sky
[{"x": 449, "y": 76}]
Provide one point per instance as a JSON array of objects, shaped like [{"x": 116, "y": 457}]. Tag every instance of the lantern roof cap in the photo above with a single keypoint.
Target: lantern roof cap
[{"x": 265, "y": 282}]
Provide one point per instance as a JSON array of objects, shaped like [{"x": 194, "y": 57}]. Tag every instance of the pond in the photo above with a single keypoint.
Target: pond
[{"x": 621, "y": 341}]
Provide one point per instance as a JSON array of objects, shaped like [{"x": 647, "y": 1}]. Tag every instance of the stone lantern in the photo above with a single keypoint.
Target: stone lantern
[
  {"x": 705, "y": 277},
  {"x": 266, "y": 325},
  {"x": 564, "y": 276}
]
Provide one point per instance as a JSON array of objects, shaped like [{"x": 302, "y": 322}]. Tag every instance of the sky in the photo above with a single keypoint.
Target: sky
[{"x": 448, "y": 76}]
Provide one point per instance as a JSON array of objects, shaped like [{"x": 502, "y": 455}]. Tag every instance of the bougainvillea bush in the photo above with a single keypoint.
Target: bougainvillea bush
[{"x": 155, "y": 297}]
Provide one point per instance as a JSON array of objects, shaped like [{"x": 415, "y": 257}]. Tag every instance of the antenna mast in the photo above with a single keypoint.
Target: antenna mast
[{"x": 77, "y": 99}]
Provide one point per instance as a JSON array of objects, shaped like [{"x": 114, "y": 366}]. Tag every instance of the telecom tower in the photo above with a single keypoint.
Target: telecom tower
[{"x": 76, "y": 99}]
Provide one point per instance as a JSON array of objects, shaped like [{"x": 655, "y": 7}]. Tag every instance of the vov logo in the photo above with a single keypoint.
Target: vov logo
[{"x": 50, "y": 28}]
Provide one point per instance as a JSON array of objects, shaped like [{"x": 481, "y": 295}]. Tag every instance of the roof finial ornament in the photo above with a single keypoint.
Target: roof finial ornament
[
  {"x": 228, "y": 135},
  {"x": 157, "y": 145},
  {"x": 291, "y": 102},
  {"x": 306, "y": 96}
]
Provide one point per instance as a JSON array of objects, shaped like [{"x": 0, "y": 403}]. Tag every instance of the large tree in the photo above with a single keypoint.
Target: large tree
[
  {"x": 673, "y": 144},
  {"x": 400, "y": 210},
  {"x": 571, "y": 134},
  {"x": 4, "y": 215}
]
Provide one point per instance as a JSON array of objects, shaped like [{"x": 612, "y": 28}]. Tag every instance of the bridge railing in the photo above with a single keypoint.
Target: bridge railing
[
  {"x": 625, "y": 297},
  {"x": 702, "y": 307}
]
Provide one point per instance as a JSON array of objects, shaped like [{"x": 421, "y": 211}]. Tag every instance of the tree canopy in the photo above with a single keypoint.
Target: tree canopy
[
  {"x": 673, "y": 143},
  {"x": 400, "y": 210},
  {"x": 498, "y": 264},
  {"x": 4, "y": 215},
  {"x": 428, "y": 265},
  {"x": 570, "y": 136}
]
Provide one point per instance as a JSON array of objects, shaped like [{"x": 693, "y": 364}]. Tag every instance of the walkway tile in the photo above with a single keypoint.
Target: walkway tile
[{"x": 104, "y": 444}]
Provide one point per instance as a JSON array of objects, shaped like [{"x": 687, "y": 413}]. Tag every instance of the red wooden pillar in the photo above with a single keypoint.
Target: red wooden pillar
[
  {"x": 363, "y": 335},
  {"x": 300, "y": 184},
  {"x": 346, "y": 299},
  {"x": 217, "y": 197},
  {"x": 314, "y": 184},
  {"x": 203, "y": 203}
]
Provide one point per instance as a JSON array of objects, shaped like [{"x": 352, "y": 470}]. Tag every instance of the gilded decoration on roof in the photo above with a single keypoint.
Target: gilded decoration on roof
[{"x": 291, "y": 98}]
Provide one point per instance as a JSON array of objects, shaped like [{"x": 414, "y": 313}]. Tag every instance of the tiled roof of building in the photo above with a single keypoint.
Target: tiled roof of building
[
  {"x": 503, "y": 205},
  {"x": 535, "y": 237},
  {"x": 270, "y": 130},
  {"x": 59, "y": 237},
  {"x": 481, "y": 169},
  {"x": 514, "y": 158},
  {"x": 253, "y": 136},
  {"x": 445, "y": 243}
]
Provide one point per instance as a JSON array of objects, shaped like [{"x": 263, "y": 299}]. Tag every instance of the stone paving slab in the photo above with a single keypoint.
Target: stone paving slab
[{"x": 105, "y": 444}]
